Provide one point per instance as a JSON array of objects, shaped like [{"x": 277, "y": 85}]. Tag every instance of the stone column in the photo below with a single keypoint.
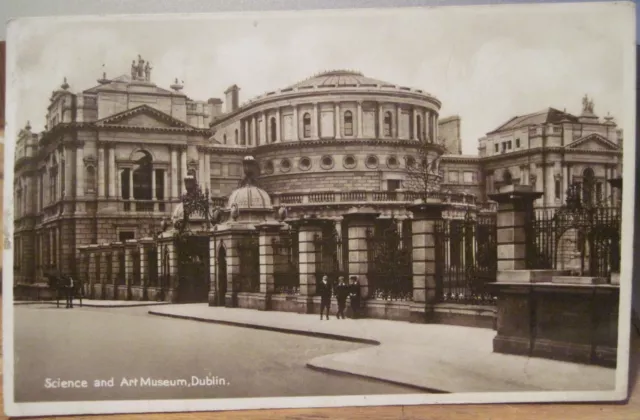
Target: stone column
[
  {"x": 213, "y": 297},
  {"x": 426, "y": 124},
  {"x": 154, "y": 195},
  {"x": 130, "y": 246},
  {"x": 200, "y": 168},
  {"x": 80, "y": 171},
  {"x": 315, "y": 124},
  {"x": 68, "y": 174},
  {"x": 130, "y": 179},
  {"x": 265, "y": 127},
  {"x": 269, "y": 231},
  {"x": 167, "y": 279},
  {"x": 337, "y": 128},
  {"x": 359, "y": 123},
  {"x": 396, "y": 124},
  {"x": 414, "y": 124},
  {"x": 296, "y": 128},
  {"x": 144, "y": 272},
  {"x": 183, "y": 170},
  {"x": 425, "y": 216},
  {"x": 174, "y": 174},
  {"x": 255, "y": 130},
  {"x": 380, "y": 128},
  {"x": 207, "y": 169},
  {"x": 308, "y": 229},
  {"x": 278, "y": 126},
  {"x": 102, "y": 182},
  {"x": 358, "y": 220},
  {"x": 112, "y": 172}
]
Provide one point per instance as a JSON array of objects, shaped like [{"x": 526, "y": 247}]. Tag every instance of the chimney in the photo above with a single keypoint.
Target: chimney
[
  {"x": 215, "y": 108},
  {"x": 232, "y": 99}
]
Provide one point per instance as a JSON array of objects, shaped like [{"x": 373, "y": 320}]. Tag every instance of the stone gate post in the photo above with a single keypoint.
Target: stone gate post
[
  {"x": 358, "y": 220},
  {"x": 119, "y": 271},
  {"x": 425, "y": 216},
  {"x": 269, "y": 232},
  {"x": 130, "y": 246},
  {"x": 230, "y": 234},
  {"x": 167, "y": 277},
  {"x": 213, "y": 271},
  {"x": 307, "y": 231}
]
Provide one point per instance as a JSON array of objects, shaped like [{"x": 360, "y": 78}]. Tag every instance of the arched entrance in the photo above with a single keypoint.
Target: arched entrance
[{"x": 221, "y": 280}]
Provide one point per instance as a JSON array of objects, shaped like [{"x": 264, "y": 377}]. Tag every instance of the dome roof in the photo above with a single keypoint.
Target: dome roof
[
  {"x": 250, "y": 197},
  {"x": 336, "y": 78}
]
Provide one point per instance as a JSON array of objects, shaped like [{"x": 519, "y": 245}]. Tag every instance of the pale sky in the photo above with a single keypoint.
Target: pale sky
[{"x": 484, "y": 63}]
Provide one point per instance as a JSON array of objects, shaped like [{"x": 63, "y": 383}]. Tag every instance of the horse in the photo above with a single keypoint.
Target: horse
[{"x": 66, "y": 287}]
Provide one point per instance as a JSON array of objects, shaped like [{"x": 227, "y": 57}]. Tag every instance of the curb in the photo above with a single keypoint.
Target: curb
[
  {"x": 89, "y": 305},
  {"x": 310, "y": 365},
  {"x": 275, "y": 329}
]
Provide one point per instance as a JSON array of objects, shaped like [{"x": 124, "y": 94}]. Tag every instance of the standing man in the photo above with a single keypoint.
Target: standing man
[
  {"x": 70, "y": 289},
  {"x": 354, "y": 289},
  {"x": 325, "y": 295},
  {"x": 342, "y": 291}
]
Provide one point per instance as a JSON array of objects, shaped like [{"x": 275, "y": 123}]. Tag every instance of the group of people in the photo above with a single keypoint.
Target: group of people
[{"x": 341, "y": 291}]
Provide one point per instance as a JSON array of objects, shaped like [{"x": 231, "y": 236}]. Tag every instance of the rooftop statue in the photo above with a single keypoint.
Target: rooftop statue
[
  {"x": 141, "y": 70},
  {"x": 587, "y": 105}
]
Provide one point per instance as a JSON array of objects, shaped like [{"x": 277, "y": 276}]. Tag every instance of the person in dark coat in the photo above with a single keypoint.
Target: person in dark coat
[
  {"x": 354, "y": 294},
  {"x": 70, "y": 286},
  {"x": 342, "y": 291},
  {"x": 324, "y": 289}
]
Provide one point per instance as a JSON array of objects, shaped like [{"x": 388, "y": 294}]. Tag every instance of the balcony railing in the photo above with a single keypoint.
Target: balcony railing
[
  {"x": 398, "y": 196},
  {"x": 144, "y": 206}
]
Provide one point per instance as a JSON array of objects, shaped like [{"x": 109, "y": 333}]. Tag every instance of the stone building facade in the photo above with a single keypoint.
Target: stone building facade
[{"x": 111, "y": 162}]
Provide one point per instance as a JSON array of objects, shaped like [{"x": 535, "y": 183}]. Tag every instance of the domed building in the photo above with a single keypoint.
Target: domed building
[{"x": 340, "y": 157}]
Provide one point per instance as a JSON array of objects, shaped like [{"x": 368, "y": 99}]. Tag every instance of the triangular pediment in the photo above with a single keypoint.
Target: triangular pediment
[
  {"x": 592, "y": 142},
  {"x": 143, "y": 116}
]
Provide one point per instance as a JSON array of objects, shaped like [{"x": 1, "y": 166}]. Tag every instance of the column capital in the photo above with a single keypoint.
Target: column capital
[
  {"x": 360, "y": 214},
  {"x": 427, "y": 211},
  {"x": 515, "y": 193}
]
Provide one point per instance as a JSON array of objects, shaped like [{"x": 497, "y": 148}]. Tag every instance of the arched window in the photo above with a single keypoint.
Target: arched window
[
  {"x": 348, "y": 123},
  {"x": 588, "y": 186},
  {"x": 236, "y": 136},
  {"x": 306, "y": 125},
  {"x": 90, "y": 180},
  {"x": 419, "y": 127},
  {"x": 273, "y": 129},
  {"x": 248, "y": 135},
  {"x": 141, "y": 177},
  {"x": 192, "y": 173},
  {"x": 387, "y": 124}
]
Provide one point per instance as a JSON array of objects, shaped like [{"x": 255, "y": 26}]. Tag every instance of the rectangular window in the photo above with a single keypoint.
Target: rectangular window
[
  {"x": 557, "y": 189},
  {"x": 453, "y": 177},
  {"x": 517, "y": 143},
  {"x": 468, "y": 177},
  {"x": 126, "y": 235},
  {"x": 393, "y": 184},
  {"x": 234, "y": 169},
  {"x": 124, "y": 184},
  {"x": 496, "y": 147},
  {"x": 504, "y": 147},
  {"x": 160, "y": 184},
  {"x": 509, "y": 145},
  {"x": 216, "y": 169}
]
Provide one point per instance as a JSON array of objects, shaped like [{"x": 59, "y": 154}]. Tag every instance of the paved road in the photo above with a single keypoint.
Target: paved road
[{"x": 126, "y": 343}]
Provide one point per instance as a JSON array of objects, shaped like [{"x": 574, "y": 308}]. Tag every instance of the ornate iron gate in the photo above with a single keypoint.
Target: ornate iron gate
[
  {"x": 193, "y": 268},
  {"x": 249, "y": 270},
  {"x": 466, "y": 258},
  {"x": 581, "y": 239},
  {"x": 390, "y": 262},
  {"x": 286, "y": 271}
]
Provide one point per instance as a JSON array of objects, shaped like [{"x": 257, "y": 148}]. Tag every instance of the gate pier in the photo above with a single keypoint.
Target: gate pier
[
  {"x": 425, "y": 216},
  {"x": 542, "y": 312},
  {"x": 358, "y": 221}
]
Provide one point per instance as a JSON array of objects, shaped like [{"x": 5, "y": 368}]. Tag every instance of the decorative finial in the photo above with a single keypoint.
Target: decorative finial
[
  {"x": 64, "y": 84},
  {"x": 28, "y": 126},
  {"x": 177, "y": 86},
  {"x": 104, "y": 80}
]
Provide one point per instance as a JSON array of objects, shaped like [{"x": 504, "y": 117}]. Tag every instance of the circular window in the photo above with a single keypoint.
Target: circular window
[
  {"x": 268, "y": 167},
  {"x": 392, "y": 162},
  {"x": 326, "y": 162},
  {"x": 349, "y": 162},
  {"x": 372, "y": 161},
  {"x": 411, "y": 161},
  {"x": 285, "y": 165},
  {"x": 304, "y": 164}
]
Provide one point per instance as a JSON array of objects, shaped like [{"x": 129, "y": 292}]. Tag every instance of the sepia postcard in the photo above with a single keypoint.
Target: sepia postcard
[{"x": 318, "y": 208}]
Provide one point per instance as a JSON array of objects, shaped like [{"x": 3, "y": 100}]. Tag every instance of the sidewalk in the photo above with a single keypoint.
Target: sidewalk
[
  {"x": 436, "y": 358},
  {"x": 89, "y": 303}
]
